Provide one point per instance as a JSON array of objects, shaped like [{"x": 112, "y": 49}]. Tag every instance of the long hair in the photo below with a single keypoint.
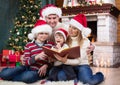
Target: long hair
[{"x": 79, "y": 39}]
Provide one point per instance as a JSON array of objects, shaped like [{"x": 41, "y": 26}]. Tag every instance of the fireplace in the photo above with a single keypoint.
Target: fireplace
[{"x": 103, "y": 36}]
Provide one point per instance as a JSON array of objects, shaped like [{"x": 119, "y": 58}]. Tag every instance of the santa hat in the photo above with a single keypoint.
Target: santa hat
[
  {"x": 63, "y": 32},
  {"x": 40, "y": 26},
  {"x": 50, "y": 9},
  {"x": 80, "y": 22}
]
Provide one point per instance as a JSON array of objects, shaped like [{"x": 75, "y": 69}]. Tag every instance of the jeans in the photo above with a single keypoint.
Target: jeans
[
  {"x": 62, "y": 73},
  {"x": 20, "y": 73},
  {"x": 57, "y": 75},
  {"x": 85, "y": 75}
]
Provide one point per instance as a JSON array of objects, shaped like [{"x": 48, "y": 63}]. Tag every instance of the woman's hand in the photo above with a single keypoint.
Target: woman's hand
[
  {"x": 42, "y": 71},
  {"x": 61, "y": 59}
]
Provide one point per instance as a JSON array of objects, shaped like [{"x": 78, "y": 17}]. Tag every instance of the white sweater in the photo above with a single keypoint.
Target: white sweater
[{"x": 83, "y": 59}]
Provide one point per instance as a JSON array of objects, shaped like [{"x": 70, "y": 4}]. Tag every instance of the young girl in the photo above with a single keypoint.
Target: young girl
[
  {"x": 78, "y": 33},
  {"x": 60, "y": 44},
  {"x": 36, "y": 63}
]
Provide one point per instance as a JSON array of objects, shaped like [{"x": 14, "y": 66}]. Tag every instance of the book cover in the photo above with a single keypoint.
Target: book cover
[{"x": 72, "y": 53}]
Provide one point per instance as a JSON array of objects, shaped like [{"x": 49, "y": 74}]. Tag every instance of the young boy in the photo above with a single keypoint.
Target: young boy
[{"x": 36, "y": 62}]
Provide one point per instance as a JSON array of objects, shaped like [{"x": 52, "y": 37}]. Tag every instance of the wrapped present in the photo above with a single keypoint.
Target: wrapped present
[
  {"x": 14, "y": 57},
  {"x": 10, "y": 58},
  {"x": 6, "y": 53}
]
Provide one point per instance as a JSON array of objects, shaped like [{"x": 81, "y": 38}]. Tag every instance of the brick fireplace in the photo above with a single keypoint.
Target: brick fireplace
[{"x": 103, "y": 23}]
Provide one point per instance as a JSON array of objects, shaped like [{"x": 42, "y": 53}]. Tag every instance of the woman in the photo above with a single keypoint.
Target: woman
[{"x": 78, "y": 33}]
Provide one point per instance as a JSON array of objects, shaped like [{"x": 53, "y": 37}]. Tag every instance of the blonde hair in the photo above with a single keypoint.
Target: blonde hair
[{"x": 80, "y": 39}]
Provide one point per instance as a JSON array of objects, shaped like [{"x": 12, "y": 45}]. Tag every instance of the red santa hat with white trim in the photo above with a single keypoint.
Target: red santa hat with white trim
[
  {"x": 50, "y": 9},
  {"x": 80, "y": 22},
  {"x": 63, "y": 32},
  {"x": 40, "y": 26}
]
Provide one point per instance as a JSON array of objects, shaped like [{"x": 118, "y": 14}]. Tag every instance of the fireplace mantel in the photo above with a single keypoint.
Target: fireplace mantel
[{"x": 92, "y": 9}]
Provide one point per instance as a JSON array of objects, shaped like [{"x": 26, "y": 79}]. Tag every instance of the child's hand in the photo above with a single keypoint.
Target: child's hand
[
  {"x": 42, "y": 71},
  {"x": 41, "y": 56},
  {"x": 58, "y": 46}
]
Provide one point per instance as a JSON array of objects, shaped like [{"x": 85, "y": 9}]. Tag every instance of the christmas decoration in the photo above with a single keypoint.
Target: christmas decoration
[
  {"x": 91, "y": 9},
  {"x": 70, "y": 3},
  {"x": 27, "y": 15},
  {"x": 10, "y": 58}
]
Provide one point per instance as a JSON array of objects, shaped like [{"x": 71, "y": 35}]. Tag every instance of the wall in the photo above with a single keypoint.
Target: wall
[{"x": 8, "y": 9}]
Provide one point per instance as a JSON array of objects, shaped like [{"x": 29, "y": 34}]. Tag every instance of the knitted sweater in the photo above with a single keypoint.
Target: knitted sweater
[
  {"x": 31, "y": 50},
  {"x": 83, "y": 59}
]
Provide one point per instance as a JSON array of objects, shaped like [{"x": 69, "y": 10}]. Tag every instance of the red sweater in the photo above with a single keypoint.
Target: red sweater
[{"x": 31, "y": 50}]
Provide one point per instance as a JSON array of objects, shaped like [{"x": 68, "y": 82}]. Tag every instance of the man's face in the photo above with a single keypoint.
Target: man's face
[{"x": 52, "y": 20}]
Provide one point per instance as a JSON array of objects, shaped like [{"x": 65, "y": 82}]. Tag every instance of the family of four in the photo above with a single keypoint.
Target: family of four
[{"x": 49, "y": 32}]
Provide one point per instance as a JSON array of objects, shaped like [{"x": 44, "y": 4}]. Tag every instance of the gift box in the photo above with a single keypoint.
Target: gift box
[
  {"x": 5, "y": 54},
  {"x": 10, "y": 58},
  {"x": 14, "y": 57}
]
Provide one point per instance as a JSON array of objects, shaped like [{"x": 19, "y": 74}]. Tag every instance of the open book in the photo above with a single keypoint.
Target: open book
[{"x": 72, "y": 53}]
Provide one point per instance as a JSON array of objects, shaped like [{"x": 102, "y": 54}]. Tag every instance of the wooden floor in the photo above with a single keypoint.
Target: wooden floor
[{"x": 112, "y": 76}]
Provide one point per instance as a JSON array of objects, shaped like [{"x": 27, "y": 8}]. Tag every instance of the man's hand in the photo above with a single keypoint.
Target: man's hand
[
  {"x": 90, "y": 48},
  {"x": 61, "y": 59},
  {"x": 22, "y": 58}
]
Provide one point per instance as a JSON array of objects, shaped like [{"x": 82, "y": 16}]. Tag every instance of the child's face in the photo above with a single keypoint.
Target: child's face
[
  {"x": 59, "y": 38},
  {"x": 73, "y": 31},
  {"x": 42, "y": 36}
]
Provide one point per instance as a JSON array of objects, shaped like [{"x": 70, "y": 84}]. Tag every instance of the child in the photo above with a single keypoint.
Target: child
[
  {"x": 36, "y": 63},
  {"x": 56, "y": 71}
]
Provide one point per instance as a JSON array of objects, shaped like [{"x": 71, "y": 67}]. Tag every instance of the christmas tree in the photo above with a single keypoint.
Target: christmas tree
[{"x": 27, "y": 15}]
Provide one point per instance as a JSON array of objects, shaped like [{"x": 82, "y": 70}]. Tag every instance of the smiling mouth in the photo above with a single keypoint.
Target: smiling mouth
[{"x": 57, "y": 41}]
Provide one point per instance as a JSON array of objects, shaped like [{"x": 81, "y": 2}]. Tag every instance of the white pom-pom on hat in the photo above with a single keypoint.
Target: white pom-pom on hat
[
  {"x": 30, "y": 36},
  {"x": 86, "y": 32}
]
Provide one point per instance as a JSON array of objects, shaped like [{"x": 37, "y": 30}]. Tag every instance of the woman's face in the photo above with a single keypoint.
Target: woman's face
[{"x": 73, "y": 31}]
